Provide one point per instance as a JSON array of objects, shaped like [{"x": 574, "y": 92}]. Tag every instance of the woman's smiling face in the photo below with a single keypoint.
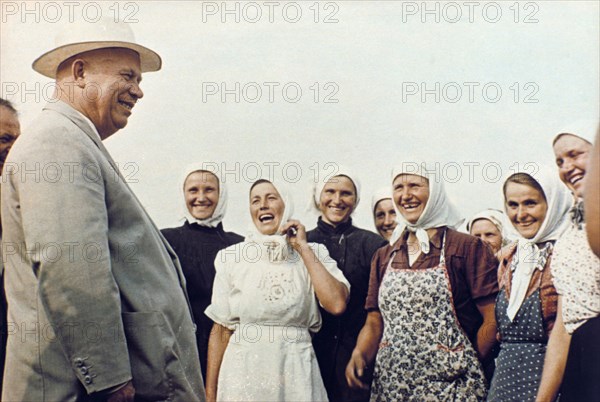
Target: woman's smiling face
[
  {"x": 411, "y": 193},
  {"x": 571, "y": 154},
  {"x": 526, "y": 208},
  {"x": 266, "y": 208},
  {"x": 385, "y": 218},
  {"x": 337, "y": 200}
]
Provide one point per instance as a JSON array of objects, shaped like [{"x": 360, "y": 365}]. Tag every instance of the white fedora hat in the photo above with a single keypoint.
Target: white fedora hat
[{"x": 91, "y": 36}]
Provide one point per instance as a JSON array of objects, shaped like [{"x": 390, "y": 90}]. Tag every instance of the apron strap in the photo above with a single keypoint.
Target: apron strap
[
  {"x": 389, "y": 265},
  {"x": 443, "y": 251}
]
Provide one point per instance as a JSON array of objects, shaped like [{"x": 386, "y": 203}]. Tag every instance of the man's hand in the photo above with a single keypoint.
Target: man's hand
[{"x": 123, "y": 394}]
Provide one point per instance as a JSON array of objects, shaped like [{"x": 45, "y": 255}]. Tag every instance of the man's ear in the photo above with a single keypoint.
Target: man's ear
[{"x": 79, "y": 72}]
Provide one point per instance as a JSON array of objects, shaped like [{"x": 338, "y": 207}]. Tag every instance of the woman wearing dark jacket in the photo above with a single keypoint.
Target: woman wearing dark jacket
[
  {"x": 352, "y": 248},
  {"x": 197, "y": 243}
]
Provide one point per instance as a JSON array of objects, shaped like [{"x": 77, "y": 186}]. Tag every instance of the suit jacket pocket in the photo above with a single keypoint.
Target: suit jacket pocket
[{"x": 148, "y": 338}]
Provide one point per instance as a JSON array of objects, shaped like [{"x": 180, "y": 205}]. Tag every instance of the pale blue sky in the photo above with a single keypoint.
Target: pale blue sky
[{"x": 373, "y": 57}]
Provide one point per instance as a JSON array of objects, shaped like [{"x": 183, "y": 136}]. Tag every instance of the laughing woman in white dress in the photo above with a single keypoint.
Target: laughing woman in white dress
[{"x": 265, "y": 305}]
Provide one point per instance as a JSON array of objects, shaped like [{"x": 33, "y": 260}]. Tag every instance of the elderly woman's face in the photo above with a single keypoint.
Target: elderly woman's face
[
  {"x": 201, "y": 192},
  {"x": 526, "y": 208},
  {"x": 488, "y": 233},
  {"x": 337, "y": 200},
  {"x": 385, "y": 218},
  {"x": 411, "y": 193},
  {"x": 266, "y": 208},
  {"x": 571, "y": 154}
]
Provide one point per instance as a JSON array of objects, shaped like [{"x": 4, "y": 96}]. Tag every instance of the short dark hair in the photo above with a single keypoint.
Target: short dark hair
[
  {"x": 7, "y": 104},
  {"x": 525, "y": 179}
]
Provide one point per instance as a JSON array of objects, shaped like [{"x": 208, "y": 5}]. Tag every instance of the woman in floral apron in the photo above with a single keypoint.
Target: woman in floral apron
[
  {"x": 431, "y": 301},
  {"x": 527, "y": 303}
]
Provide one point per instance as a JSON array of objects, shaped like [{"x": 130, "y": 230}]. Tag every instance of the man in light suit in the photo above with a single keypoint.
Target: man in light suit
[{"x": 97, "y": 307}]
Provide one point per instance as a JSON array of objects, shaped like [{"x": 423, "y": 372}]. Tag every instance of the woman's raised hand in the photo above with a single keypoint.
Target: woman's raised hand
[{"x": 295, "y": 233}]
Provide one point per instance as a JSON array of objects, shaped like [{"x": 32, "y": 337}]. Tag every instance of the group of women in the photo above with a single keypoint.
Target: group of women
[{"x": 417, "y": 312}]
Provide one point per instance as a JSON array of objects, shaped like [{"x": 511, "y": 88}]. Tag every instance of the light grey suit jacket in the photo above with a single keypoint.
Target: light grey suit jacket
[{"x": 96, "y": 295}]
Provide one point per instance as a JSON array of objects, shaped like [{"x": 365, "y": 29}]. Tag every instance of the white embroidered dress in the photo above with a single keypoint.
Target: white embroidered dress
[{"x": 272, "y": 308}]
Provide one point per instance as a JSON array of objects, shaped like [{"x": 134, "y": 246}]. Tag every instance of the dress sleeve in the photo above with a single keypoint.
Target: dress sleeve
[
  {"x": 558, "y": 267},
  {"x": 548, "y": 296},
  {"x": 220, "y": 308},
  {"x": 329, "y": 263},
  {"x": 481, "y": 270},
  {"x": 374, "y": 242},
  {"x": 372, "y": 301}
]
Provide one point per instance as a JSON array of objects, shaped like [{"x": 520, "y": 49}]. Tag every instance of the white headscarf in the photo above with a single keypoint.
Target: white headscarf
[
  {"x": 584, "y": 129},
  {"x": 498, "y": 219},
  {"x": 219, "y": 212},
  {"x": 555, "y": 223},
  {"x": 275, "y": 245},
  {"x": 381, "y": 194},
  {"x": 323, "y": 177},
  {"x": 438, "y": 211}
]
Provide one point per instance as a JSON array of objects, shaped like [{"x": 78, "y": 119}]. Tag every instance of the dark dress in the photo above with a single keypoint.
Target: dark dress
[
  {"x": 352, "y": 248},
  {"x": 582, "y": 373},
  {"x": 521, "y": 360},
  {"x": 197, "y": 246}
]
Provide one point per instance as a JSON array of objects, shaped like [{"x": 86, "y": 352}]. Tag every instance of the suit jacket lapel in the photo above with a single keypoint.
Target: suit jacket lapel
[{"x": 84, "y": 125}]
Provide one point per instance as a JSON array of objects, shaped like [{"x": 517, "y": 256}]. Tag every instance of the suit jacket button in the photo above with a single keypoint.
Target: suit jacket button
[
  {"x": 79, "y": 362},
  {"x": 87, "y": 379},
  {"x": 83, "y": 370}
]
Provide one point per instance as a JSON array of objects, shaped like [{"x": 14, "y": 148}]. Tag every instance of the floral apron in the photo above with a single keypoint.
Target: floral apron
[{"x": 424, "y": 354}]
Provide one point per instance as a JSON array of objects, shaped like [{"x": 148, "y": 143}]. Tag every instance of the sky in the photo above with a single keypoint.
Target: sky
[{"x": 256, "y": 89}]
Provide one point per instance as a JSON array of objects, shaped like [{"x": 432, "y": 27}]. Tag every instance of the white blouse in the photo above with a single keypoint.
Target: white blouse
[
  {"x": 576, "y": 273},
  {"x": 250, "y": 288}
]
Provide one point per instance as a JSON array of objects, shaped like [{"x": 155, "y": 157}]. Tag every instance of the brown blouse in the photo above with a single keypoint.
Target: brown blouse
[
  {"x": 471, "y": 266},
  {"x": 539, "y": 280}
]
